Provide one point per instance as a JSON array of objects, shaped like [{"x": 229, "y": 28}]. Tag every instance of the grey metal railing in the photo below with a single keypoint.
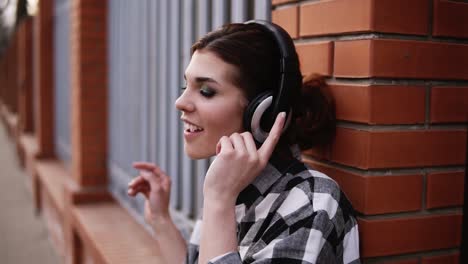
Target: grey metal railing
[
  {"x": 62, "y": 79},
  {"x": 149, "y": 48}
]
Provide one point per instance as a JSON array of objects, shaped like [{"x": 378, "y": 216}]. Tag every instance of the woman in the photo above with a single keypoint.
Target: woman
[{"x": 261, "y": 203}]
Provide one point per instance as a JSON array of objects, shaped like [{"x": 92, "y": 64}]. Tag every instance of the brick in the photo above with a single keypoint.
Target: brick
[
  {"x": 334, "y": 17},
  {"x": 381, "y": 237},
  {"x": 287, "y": 18},
  {"x": 345, "y": 16},
  {"x": 450, "y": 19},
  {"x": 316, "y": 57},
  {"x": 390, "y": 58},
  {"x": 377, "y": 194},
  {"x": 449, "y": 104},
  {"x": 445, "y": 189},
  {"x": 394, "y": 149},
  {"x": 351, "y": 147},
  {"x": 413, "y": 16},
  {"x": 379, "y": 104},
  {"x": 442, "y": 259},
  {"x": 352, "y": 58},
  {"x": 277, "y": 2}
]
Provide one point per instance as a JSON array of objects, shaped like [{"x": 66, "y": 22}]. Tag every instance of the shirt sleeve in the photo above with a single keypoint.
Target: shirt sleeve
[
  {"x": 228, "y": 258},
  {"x": 308, "y": 241}
]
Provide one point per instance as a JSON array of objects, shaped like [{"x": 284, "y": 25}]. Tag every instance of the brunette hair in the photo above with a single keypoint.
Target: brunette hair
[{"x": 255, "y": 54}]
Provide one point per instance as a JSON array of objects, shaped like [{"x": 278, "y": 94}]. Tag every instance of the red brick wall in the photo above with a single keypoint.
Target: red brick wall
[{"x": 398, "y": 73}]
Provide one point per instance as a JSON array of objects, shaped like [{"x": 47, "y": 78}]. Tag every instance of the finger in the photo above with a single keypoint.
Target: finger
[
  {"x": 249, "y": 143},
  {"x": 140, "y": 184},
  {"x": 140, "y": 165},
  {"x": 144, "y": 189},
  {"x": 136, "y": 181},
  {"x": 224, "y": 144},
  {"x": 275, "y": 133},
  {"x": 151, "y": 178},
  {"x": 238, "y": 143},
  {"x": 166, "y": 181}
]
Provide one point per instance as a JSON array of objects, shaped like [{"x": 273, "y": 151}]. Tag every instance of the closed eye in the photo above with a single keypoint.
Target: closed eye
[{"x": 206, "y": 91}]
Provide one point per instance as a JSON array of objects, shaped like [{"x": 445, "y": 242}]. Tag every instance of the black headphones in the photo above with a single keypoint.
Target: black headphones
[{"x": 255, "y": 119}]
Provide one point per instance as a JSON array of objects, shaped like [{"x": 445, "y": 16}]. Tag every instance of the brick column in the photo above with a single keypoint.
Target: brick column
[
  {"x": 2, "y": 79},
  {"x": 398, "y": 72},
  {"x": 88, "y": 114},
  {"x": 25, "y": 111},
  {"x": 9, "y": 109},
  {"x": 13, "y": 78},
  {"x": 89, "y": 91},
  {"x": 43, "y": 79}
]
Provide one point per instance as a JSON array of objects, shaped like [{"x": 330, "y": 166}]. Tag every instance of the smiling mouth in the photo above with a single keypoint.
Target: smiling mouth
[{"x": 191, "y": 128}]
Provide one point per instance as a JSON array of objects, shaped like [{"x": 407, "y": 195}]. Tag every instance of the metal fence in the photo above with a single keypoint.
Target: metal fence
[
  {"x": 149, "y": 48},
  {"x": 62, "y": 79}
]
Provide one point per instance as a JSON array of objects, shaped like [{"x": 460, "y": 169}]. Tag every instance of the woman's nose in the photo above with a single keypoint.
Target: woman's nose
[{"x": 183, "y": 103}]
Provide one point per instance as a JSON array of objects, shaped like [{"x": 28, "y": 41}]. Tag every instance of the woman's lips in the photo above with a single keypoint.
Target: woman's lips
[{"x": 191, "y": 130}]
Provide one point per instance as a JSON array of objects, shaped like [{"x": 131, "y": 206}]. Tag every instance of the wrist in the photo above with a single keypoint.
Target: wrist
[
  {"x": 221, "y": 200},
  {"x": 218, "y": 206},
  {"x": 161, "y": 223}
]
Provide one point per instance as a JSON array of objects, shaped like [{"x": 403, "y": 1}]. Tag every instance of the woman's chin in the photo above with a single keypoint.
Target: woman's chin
[{"x": 197, "y": 154}]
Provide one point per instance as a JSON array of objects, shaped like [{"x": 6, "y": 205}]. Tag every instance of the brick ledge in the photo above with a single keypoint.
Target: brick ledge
[
  {"x": 113, "y": 235},
  {"x": 52, "y": 175}
]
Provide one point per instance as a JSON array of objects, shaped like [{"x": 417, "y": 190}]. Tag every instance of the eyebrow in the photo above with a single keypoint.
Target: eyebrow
[{"x": 203, "y": 79}]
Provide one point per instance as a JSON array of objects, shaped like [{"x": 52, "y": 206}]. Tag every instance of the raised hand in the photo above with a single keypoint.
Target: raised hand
[
  {"x": 238, "y": 162},
  {"x": 155, "y": 185}
]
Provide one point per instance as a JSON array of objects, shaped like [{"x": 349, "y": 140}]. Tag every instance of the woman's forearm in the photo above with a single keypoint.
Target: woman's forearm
[
  {"x": 218, "y": 233},
  {"x": 170, "y": 241}
]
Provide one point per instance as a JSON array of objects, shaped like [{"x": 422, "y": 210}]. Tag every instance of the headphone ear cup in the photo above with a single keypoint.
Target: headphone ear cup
[{"x": 263, "y": 101}]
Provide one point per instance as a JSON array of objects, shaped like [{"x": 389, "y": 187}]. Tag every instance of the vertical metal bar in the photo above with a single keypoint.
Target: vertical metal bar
[
  {"x": 162, "y": 95},
  {"x": 124, "y": 75},
  {"x": 154, "y": 79},
  {"x": 239, "y": 11},
  {"x": 220, "y": 13},
  {"x": 204, "y": 17},
  {"x": 143, "y": 58},
  {"x": 62, "y": 80},
  {"x": 262, "y": 9},
  {"x": 173, "y": 142},
  {"x": 132, "y": 91},
  {"x": 188, "y": 33}
]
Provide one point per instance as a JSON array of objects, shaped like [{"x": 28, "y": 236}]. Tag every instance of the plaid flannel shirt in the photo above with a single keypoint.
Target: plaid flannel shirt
[{"x": 290, "y": 214}]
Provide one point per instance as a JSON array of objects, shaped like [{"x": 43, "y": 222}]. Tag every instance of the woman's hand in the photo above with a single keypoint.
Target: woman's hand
[
  {"x": 238, "y": 162},
  {"x": 155, "y": 185}
]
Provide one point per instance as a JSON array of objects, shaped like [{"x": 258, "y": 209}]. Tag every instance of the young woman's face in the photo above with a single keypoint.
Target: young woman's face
[{"x": 212, "y": 106}]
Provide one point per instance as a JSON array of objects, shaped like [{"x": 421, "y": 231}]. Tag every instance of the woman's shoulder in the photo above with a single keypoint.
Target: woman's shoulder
[{"x": 308, "y": 189}]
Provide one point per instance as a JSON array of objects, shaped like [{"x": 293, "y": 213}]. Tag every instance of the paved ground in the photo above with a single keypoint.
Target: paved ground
[{"x": 23, "y": 236}]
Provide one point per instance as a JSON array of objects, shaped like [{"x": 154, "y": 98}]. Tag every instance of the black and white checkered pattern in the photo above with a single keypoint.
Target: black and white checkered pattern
[{"x": 290, "y": 214}]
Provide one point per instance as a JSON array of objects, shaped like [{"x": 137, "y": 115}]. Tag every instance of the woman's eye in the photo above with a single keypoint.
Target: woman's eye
[{"x": 207, "y": 92}]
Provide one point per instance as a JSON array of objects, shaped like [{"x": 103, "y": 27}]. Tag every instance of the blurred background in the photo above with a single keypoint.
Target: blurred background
[{"x": 88, "y": 86}]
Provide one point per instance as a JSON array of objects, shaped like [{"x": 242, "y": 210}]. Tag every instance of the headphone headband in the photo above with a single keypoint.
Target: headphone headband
[
  {"x": 289, "y": 61},
  {"x": 290, "y": 78}
]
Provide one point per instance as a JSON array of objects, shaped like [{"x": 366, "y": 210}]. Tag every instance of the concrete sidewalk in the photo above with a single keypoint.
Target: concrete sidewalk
[{"x": 23, "y": 236}]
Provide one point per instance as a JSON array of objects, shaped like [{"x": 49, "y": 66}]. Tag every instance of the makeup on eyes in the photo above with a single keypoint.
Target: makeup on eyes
[{"x": 206, "y": 91}]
